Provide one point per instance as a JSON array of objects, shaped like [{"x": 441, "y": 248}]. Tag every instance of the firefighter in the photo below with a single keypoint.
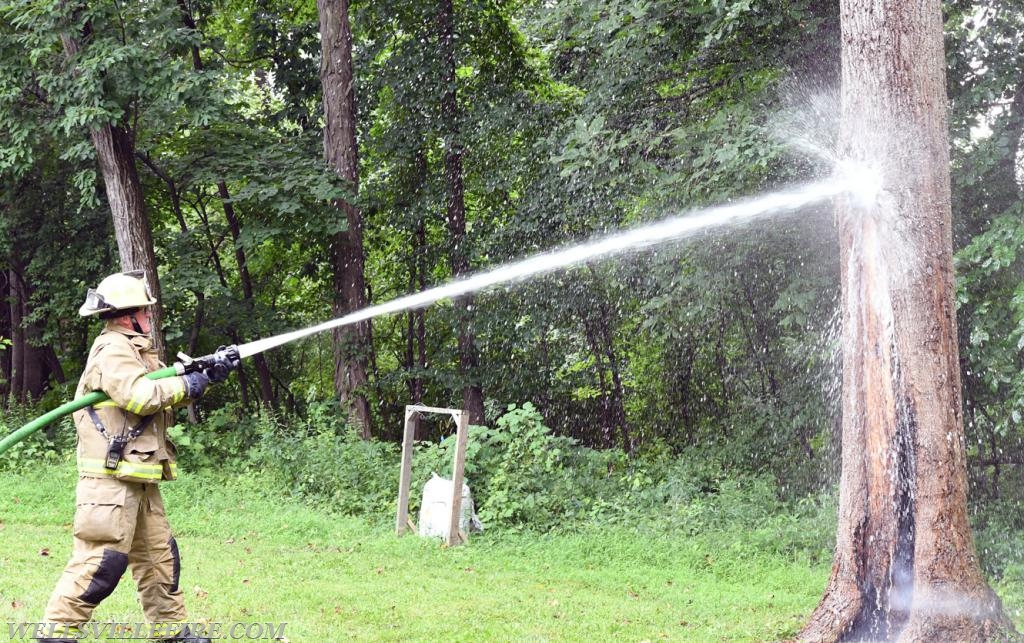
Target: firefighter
[{"x": 123, "y": 453}]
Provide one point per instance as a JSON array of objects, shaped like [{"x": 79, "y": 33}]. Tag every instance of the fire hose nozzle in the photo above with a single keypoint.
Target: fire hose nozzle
[{"x": 225, "y": 355}]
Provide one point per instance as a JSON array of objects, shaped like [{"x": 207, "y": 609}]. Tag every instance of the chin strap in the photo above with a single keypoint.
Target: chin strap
[{"x": 136, "y": 326}]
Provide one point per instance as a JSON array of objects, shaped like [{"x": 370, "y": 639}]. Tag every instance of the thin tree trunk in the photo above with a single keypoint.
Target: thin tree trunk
[
  {"x": 618, "y": 398},
  {"x": 243, "y": 381},
  {"x": 472, "y": 392},
  {"x": 605, "y": 335},
  {"x": 420, "y": 262},
  {"x": 197, "y": 322},
  {"x": 31, "y": 364},
  {"x": 352, "y": 344},
  {"x": 41, "y": 363},
  {"x": 259, "y": 360},
  {"x": 17, "y": 335},
  {"x": 905, "y": 566},
  {"x": 1004, "y": 186},
  {"x": 6, "y": 293},
  {"x": 607, "y": 422},
  {"x": 416, "y": 338}
]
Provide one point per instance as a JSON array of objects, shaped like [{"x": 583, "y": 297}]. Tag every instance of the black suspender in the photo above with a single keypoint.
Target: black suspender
[{"x": 117, "y": 442}]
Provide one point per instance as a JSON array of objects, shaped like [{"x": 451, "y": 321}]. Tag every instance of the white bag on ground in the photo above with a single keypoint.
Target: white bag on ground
[{"x": 436, "y": 509}]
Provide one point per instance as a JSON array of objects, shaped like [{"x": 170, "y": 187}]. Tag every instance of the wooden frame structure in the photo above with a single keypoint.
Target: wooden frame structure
[{"x": 412, "y": 417}]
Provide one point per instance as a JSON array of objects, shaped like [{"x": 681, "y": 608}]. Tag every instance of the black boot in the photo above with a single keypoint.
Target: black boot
[
  {"x": 67, "y": 635},
  {"x": 187, "y": 636}
]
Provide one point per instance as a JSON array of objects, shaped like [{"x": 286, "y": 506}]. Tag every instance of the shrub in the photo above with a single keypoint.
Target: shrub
[
  {"x": 520, "y": 473},
  {"x": 994, "y": 524},
  {"x": 54, "y": 442},
  {"x": 325, "y": 461}
]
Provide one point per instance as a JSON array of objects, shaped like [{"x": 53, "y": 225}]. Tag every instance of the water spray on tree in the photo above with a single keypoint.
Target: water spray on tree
[{"x": 860, "y": 183}]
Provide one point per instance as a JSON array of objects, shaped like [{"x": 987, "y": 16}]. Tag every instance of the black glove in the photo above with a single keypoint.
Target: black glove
[
  {"x": 218, "y": 372},
  {"x": 195, "y": 384},
  {"x": 225, "y": 360}
]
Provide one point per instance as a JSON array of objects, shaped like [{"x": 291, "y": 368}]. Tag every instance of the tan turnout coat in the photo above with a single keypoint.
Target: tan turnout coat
[{"x": 117, "y": 366}]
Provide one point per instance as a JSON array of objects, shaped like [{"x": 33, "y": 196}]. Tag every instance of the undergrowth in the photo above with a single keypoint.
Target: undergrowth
[{"x": 524, "y": 478}]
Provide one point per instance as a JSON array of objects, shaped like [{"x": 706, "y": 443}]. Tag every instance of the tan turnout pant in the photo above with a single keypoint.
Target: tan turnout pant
[{"x": 119, "y": 524}]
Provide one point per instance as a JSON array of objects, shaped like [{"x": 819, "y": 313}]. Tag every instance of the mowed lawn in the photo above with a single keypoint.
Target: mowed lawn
[{"x": 251, "y": 555}]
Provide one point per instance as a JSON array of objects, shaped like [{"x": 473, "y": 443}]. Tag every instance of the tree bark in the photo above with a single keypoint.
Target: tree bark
[
  {"x": 6, "y": 331},
  {"x": 31, "y": 363},
  {"x": 115, "y": 153},
  {"x": 352, "y": 344},
  {"x": 259, "y": 360},
  {"x": 905, "y": 566},
  {"x": 472, "y": 392},
  {"x": 416, "y": 320},
  {"x": 18, "y": 345}
]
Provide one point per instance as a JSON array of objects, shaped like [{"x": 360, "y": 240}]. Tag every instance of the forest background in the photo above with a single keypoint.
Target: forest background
[{"x": 700, "y": 375}]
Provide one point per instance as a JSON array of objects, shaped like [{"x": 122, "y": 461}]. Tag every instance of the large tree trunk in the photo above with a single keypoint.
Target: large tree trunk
[
  {"x": 472, "y": 392},
  {"x": 905, "y": 565},
  {"x": 115, "y": 153},
  {"x": 116, "y": 156},
  {"x": 352, "y": 344}
]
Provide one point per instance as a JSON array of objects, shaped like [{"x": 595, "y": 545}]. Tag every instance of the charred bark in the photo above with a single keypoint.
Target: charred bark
[
  {"x": 352, "y": 344},
  {"x": 905, "y": 566}
]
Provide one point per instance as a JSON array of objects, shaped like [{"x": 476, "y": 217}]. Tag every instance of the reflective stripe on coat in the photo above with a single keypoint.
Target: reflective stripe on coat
[{"x": 117, "y": 366}]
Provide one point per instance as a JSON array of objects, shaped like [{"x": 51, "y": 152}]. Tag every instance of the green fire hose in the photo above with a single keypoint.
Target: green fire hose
[
  {"x": 66, "y": 409},
  {"x": 185, "y": 365}
]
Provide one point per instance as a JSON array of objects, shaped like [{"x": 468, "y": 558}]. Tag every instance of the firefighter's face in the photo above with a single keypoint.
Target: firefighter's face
[{"x": 145, "y": 318}]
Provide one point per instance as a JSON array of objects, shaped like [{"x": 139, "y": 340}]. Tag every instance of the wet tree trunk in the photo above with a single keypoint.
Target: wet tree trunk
[
  {"x": 352, "y": 344},
  {"x": 905, "y": 566},
  {"x": 115, "y": 153},
  {"x": 472, "y": 392},
  {"x": 598, "y": 324}
]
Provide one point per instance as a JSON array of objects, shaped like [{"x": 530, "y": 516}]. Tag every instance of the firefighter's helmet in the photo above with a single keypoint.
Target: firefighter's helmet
[{"x": 119, "y": 291}]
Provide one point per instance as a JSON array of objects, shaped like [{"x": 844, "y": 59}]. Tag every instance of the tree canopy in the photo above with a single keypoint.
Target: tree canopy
[{"x": 573, "y": 119}]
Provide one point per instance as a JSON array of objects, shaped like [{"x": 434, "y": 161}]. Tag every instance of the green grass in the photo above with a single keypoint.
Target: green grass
[{"x": 250, "y": 555}]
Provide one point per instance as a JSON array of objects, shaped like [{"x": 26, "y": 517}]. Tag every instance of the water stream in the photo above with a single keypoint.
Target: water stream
[{"x": 848, "y": 181}]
